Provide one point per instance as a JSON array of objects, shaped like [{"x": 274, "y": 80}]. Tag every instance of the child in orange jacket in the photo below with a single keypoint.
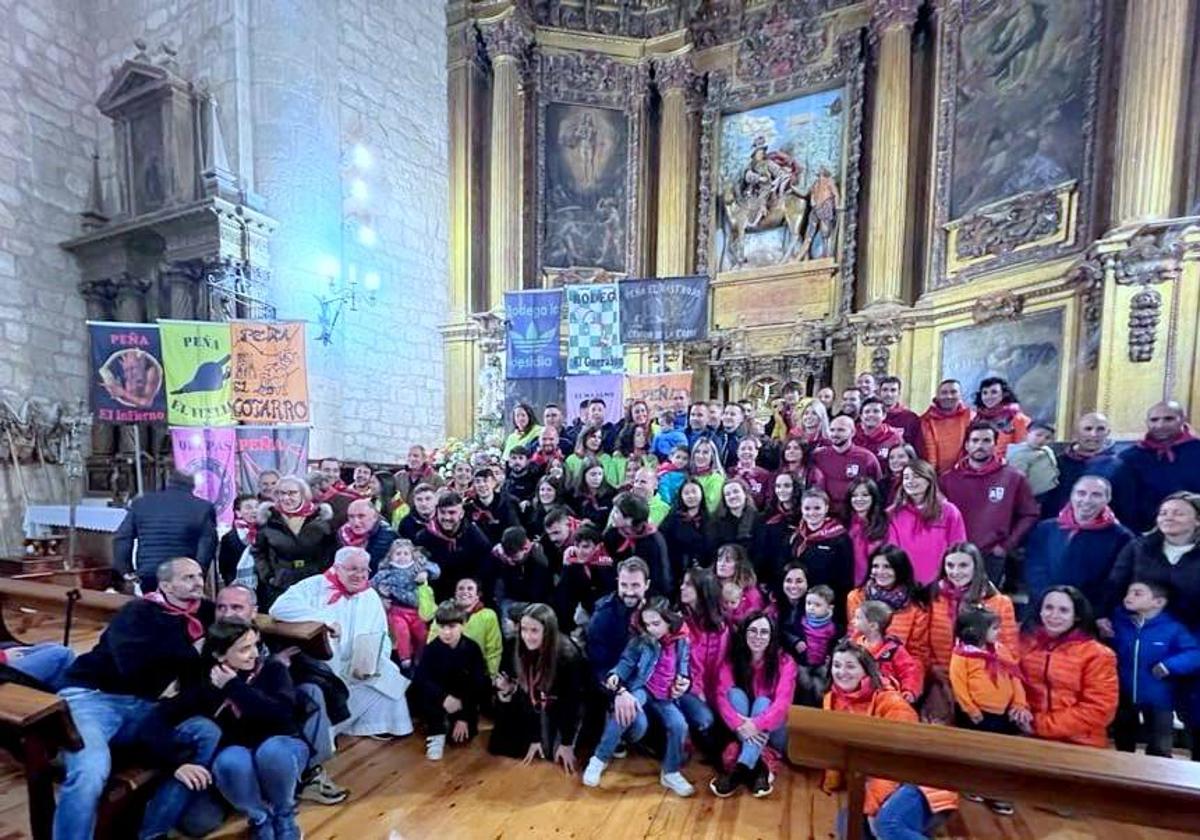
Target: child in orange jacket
[
  {"x": 985, "y": 677},
  {"x": 900, "y": 670}
]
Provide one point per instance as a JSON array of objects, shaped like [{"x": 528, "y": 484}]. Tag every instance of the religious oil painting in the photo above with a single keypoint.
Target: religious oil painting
[
  {"x": 1026, "y": 352},
  {"x": 587, "y": 158},
  {"x": 1020, "y": 99},
  {"x": 780, "y": 182}
]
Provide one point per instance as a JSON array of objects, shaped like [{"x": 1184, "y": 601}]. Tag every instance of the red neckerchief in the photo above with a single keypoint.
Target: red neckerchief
[
  {"x": 953, "y": 595},
  {"x": 451, "y": 540},
  {"x": 629, "y": 536},
  {"x": 251, "y": 529},
  {"x": 483, "y": 513},
  {"x": 233, "y": 708},
  {"x": 1074, "y": 454},
  {"x": 353, "y": 490},
  {"x": 307, "y": 509},
  {"x": 777, "y": 514},
  {"x": 1000, "y": 416},
  {"x": 544, "y": 458},
  {"x": 877, "y": 436},
  {"x": 803, "y": 536},
  {"x": 338, "y": 486},
  {"x": 1044, "y": 641},
  {"x": 1067, "y": 521},
  {"x": 699, "y": 473},
  {"x": 340, "y": 590},
  {"x": 666, "y": 467},
  {"x": 1165, "y": 449},
  {"x": 500, "y": 554},
  {"x": 991, "y": 465},
  {"x": 195, "y": 629},
  {"x": 352, "y": 538},
  {"x": 994, "y": 663},
  {"x": 843, "y": 699},
  {"x": 939, "y": 413}
]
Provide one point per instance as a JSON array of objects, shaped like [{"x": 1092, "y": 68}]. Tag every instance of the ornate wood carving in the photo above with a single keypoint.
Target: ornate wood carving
[
  {"x": 996, "y": 231},
  {"x": 722, "y": 21},
  {"x": 1003, "y": 306},
  {"x": 730, "y": 91},
  {"x": 1088, "y": 275},
  {"x": 890, "y": 14},
  {"x": 589, "y": 78},
  {"x": 1151, "y": 258},
  {"x": 1003, "y": 248},
  {"x": 881, "y": 335},
  {"x": 1145, "y": 310}
]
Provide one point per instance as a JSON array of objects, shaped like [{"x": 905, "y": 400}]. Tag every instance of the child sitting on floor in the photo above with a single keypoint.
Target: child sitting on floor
[
  {"x": 896, "y": 665},
  {"x": 451, "y": 683},
  {"x": 403, "y": 583}
]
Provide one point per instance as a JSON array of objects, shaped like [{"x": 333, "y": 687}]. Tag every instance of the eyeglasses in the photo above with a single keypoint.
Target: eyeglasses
[{"x": 762, "y": 634}]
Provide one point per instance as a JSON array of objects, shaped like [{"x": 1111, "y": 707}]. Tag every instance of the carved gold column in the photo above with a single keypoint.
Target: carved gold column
[
  {"x": 508, "y": 42},
  {"x": 1150, "y": 109},
  {"x": 891, "y": 33},
  {"x": 458, "y": 336},
  {"x": 675, "y": 243}
]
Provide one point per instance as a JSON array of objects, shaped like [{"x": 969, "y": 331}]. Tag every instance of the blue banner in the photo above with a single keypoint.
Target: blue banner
[
  {"x": 664, "y": 309},
  {"x": 533, "y": 329},
  {"x": 127, "y": 373}
]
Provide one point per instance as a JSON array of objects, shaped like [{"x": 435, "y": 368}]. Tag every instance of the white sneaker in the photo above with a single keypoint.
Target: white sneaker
[
  {"x": 675, "y": 783},
  {"x": 591, "y": 775},
  {"x": 435, "y": 745}
]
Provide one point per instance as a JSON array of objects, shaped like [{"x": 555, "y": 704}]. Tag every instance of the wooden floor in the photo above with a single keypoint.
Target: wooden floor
[{"x": 396, "y": 794}]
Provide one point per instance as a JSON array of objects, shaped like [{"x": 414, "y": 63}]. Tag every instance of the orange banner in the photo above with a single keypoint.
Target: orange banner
[
  {"x": 658, "y": 389},
  {"x": 270, "y": 376}
]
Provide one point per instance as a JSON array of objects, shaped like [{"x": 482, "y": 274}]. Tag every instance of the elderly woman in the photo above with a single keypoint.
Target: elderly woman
[
  {"x": 295, "y": 539},
  {"x": 343, "y": 600}
]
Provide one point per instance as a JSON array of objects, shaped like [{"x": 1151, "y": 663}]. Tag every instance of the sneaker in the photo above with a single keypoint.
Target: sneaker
[
  {"x": 1000, "y": 807},
  {"x": 763, "y": 783},
  {"x": 435, "y": 746},
  {"x": 322, "y": 789},
  {"x": 675, "y": 783},
  {"x": 593, "y": 772},
  {"x": 726, "y": 785},
  {"x": 264, "y": 830},
  {"x": 621, "y": 751}
]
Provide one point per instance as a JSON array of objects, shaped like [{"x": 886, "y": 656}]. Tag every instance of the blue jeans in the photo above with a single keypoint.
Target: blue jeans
[
  {"x": 699, "y": 716},
  {"x": 672, "y": 719},
  {"x": 262, "y": 783},
  {"x": 905, "y": 815},
  {"x": 197, "y": 738},
  {"x": 100, "y": 719},
  {"x": 316, "y": 729},
  {"x": 46, "y": 662},
  {"x": 777, "y": 738}
]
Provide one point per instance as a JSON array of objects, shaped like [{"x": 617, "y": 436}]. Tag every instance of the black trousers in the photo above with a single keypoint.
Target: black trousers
[{"x": 1159, "y": 729}]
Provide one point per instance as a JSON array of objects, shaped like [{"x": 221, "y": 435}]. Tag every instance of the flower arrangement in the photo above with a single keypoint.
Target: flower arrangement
[{"x": 482, "y": 450}]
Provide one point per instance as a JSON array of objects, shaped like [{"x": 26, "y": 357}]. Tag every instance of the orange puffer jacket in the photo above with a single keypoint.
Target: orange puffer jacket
[
  {"x": 909, "y": 624},
  {"x": 941, "y": 626},
  {"x": 888, "y": 705},
  {"x": 1072, "y": 690}
]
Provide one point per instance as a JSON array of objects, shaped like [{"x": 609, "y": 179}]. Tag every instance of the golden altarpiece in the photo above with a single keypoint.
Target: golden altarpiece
[{"x": 941, "y": 188}]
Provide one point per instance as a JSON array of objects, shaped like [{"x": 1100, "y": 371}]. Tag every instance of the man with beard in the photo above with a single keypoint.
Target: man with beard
[
  {"x": 899, "y": 416},
  {"x": 362, "y": 488},
  {"x": 944, "y": 426},
  {"x": 366, "y": 529},
  {"x": 558, "y": 534},
  {"x": 851, "y": 402},
  {"x": 458, "y": 546},
  {"x": 491, "y": 509},
  {"x": 630, "y": 534},
  {"x": 325, "y": 492},
  {"x": 1165, "y": 461},
  {"x": 607, "y": 634},
  {"x": 416, "y": 471},
  {"x": 424, "y": 500},
  {"x": 841, "y": 462}
]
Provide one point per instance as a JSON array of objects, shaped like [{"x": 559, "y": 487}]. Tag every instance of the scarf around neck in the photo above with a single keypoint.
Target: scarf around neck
[
  {"x": 939, "y": 413},
  {"x": 1001, "y": 416},
  {"x": 1072, "y": 452},
  {"x": 895, "y": 597},
  {"x": 451, "y": 540},
  {"x": 1164, "y": 450},
  {"x": 803, "y": 536},
  {"x": 843, "y": 698},
  {"x": 340, "y": 590},
  {"x": 994, "y": 663},
  {"x": 306, "y": 509},
  {"x": 953, "y": 596},
  {"x": 630, "y": 536},
  {"x": 991, "y": 465},
  {"x": 247, "y": 526},
  {"x": 1068, "y": 522},
  {"x": 352, "y": 538},
  {"x": 878, "y": 435},
  {"x": 195, "y": 629},
  {"x": 1042, "y": 640}
]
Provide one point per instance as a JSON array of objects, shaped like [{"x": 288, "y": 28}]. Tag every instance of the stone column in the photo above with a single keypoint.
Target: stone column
[
  {"x": 675, "y": 79},
  {"x": 131, "y": 299},
  {"x": 891, "y": 35},
  {"x": 507, "y": 42},
  {"x": 181, "y": 290},
  {"x": 1150, "y": 109}
]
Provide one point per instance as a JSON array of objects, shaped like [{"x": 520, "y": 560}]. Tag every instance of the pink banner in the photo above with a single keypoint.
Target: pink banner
[
  {"x": 606, "y": 386},
  {"x": 209, "y": 456}
]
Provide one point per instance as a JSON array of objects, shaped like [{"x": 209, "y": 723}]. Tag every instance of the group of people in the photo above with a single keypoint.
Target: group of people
[{"x": 678, "y": 580}]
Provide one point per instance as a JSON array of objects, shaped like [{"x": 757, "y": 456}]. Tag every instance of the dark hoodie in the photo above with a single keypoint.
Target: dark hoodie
[{"x": 463, "y": 554}]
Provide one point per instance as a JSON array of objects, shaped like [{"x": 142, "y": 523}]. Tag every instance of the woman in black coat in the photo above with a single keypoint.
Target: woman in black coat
[
  {"x": 736, "y": 517},
  {"x": 295, "y": 540},
  {"x": 686, "y": 531},
  {"x": 772, "y": 548}
]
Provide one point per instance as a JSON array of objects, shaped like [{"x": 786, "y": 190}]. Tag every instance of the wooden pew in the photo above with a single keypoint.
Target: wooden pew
[
  {"x": 1126, "y": 787},
  {"x": 35, "y": 725},
  {"x": 32, "y": 599}
]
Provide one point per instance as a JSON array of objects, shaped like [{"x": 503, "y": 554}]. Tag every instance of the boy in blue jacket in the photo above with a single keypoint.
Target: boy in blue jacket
[{"x": 1153, "y": 650}]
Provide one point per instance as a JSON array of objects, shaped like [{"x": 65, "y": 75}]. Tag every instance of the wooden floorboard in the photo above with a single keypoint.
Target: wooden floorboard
[{"x": 398, "y": 795}]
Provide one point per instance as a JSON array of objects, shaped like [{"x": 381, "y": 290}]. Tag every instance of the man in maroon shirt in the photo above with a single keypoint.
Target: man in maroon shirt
[
  {"x": 841, "y": 462},
  {"x": 899, "y": 416},
  {"x": 873, "y": 434},
  {"x": 995, "y": 500}
]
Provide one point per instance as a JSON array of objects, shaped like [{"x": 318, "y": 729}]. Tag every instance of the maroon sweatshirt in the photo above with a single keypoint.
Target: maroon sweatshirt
[
  {"x": 996, "y": 502},
  {"x": 909, "y": 424},
  {"x": 841, "y": 468}
]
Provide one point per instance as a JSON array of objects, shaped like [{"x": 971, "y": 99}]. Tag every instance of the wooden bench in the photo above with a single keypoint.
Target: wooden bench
[
  {"x": 35, "y": 725},
  {"x": 53, "y": 602},
  {"x": 1126, "y": 787}
]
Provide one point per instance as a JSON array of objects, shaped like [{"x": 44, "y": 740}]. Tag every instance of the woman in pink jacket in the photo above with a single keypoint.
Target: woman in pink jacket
[
  {"x": 700, "y": 598},
  {"x": 923, "y": 522},
  {"x": 753, "y": 696},
  {"x": 867, "y": 522}
]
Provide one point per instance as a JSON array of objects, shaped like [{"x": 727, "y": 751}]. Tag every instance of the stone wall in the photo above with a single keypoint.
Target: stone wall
[
  {"x": 301, "y": 84},
  {"x": 47, "y": 134}
]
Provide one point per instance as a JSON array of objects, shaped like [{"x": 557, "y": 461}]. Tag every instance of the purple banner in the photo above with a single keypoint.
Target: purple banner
[
  {"x": 127, "y": 373},
  {"x": 207, "y": 454}
]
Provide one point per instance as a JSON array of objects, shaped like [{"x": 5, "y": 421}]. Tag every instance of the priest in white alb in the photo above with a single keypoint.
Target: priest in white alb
[{"x": 344, "y": 601}]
